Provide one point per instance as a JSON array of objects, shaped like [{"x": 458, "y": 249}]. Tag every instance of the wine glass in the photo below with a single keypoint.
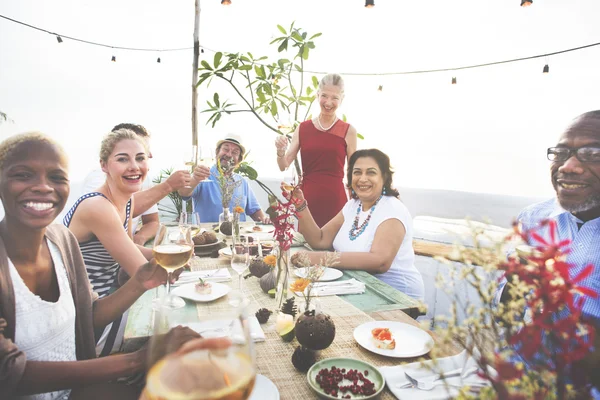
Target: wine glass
[
  {"x": 190, "y": 220},
  {"x": 173, "y": 248},
  {"x": 207, "y": 159},
  {"x": 240, "y": 260},
  {"x": 226, "y": 371}
]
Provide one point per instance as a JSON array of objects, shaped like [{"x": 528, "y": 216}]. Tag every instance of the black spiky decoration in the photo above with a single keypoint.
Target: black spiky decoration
[
  {"x": 262, "y": 315},
  {"x": 290, "y": 307},
  {"x": 303, "y": 358}
]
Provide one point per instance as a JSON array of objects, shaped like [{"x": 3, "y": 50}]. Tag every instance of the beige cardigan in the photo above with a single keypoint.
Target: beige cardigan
[{"x": 12, "y": 360}]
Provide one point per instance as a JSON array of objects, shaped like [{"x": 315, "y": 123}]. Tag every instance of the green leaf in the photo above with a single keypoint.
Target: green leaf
[
  {"x": 273, "y": 108},
  {"x": 344, "y": 118},
  {"x": 259, "y": 72},
  {"x": 305, "y": 53},
  {"x": 316, "y": 35},
  {"x": 217, "y": 61},
  {"x": 216, "y": 99},
  {"x": 308, "y": 90},
  {"x": 297, "y": 36},
  {"x": 206, "y": 65},
  {"x": 358, "y": 135},
  {"x": 277, "y": 40},
  {"x": 251, "y": 56},
  {"x": 315, "y": 82},
  {"x": 282, "y": 46},
  {"x": 268, "y": 89},
  {"x": 310, "y": 45},
  {"x": 216, "y": 119},
  {"x": 203, "y": 77},
  {"x": 246, "y": 67},
  {"x": 281, "y": 29},
  {"x": 298, "y": 68},
  {"x": 245, "y": 59}
]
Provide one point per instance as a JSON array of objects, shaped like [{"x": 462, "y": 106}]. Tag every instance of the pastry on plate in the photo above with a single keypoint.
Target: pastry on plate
[
  {"x": 383, "y": 339},
  {"x": 203, "y": 287}
]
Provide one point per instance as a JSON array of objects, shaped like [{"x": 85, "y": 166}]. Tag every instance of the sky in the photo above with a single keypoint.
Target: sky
[{"x": 488, "y": 133}]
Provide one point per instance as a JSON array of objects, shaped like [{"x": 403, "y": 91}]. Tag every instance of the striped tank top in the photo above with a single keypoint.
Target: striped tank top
[{"x": 100, "y": 265}]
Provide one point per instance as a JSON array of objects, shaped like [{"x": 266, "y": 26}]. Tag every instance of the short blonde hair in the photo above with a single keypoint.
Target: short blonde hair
[
  {"x": 10, "y": 144},
  {"x": 110, "y": 141}
]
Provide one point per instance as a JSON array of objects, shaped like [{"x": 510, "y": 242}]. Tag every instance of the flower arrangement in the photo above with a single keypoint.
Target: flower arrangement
[
  {"x": 313, "y": 274},
  {"x": 538, "y": 356}
]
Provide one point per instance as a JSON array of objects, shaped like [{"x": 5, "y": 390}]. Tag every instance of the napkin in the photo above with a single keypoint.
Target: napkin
[
  {"x": 350, "y": 286},
  {"x": 395, "y": 376},
  {"x": 228, "y": 328},
  {"x": 211, "y": 275}
]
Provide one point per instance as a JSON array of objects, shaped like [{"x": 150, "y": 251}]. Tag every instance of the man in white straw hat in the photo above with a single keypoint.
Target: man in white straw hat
[{"x": 206, "y": 194}]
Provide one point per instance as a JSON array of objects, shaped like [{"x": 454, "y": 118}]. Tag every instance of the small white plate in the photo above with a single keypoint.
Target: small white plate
[
  {"x": 225, "y": 252},
  {"x": 264, "y": 389},
  {"x": 188, "y": 291},
  {"x": 410, "y": 340},
  {"x": 330, "y": 274},
  {"x": 259, "y": 229}
]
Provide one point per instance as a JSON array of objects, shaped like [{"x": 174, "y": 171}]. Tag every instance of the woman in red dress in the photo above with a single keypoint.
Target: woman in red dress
[{"x": 324, "y": 143}]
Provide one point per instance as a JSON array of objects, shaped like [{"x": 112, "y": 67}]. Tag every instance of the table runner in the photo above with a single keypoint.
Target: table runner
[{"x": 274, "y": 356}]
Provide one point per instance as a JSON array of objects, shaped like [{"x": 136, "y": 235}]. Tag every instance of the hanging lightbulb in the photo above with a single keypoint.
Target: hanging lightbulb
[
  {"x": 201, "y": 50},
  {"x": 546, "y": 69},
  {"x": 370, "y": 3},
  {"x": 454, "y": 80},
  {"x": 158, "y": 60},
  {"x": 58, "y": 39},
  {"x": 380, "y": 88},
  {"x": 526, "y": 3},
  {"x": 113, "y": 59},
  {"x": 226, "y": 2}
]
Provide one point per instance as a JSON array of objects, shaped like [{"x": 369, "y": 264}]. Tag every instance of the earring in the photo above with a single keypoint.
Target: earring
[
  {"x": 384, "y": 191},
  {"x": 353, "y": 193}
]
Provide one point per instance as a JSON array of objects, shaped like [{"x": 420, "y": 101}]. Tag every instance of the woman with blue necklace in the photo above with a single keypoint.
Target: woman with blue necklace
[{"x": 373, "y": 232}]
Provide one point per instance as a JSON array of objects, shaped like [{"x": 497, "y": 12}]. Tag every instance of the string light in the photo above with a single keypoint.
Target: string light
[
  {"x": 380, "y": 88},
  {"x": 370, "y": 3},
  {"x": 454, "y": 80},
  {"x": 113, "y": 59},
  {"x": 58, "y": 39},
  {"x": 226, "y": 2},
  {"x": 158, "y": 60},
  {"x": 526, "y": 3},
  {"x": 317, "y": 72},
  {"x": 546, "y": 69}
]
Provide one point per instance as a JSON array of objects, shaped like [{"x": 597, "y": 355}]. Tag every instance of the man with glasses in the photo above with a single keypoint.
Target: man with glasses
[
  {"x": 575, "y": 175},
  {"x": 206, "y": 195}
]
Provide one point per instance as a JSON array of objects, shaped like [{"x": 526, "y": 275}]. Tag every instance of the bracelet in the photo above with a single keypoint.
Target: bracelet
[{"x": 302, "y": 206}]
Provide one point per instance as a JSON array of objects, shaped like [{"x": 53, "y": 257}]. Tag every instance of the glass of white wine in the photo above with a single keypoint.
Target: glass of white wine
[
  {"x": 207, "y": 159},
  {"x": 190, "y": 220},
  {"x": 173, "y": 248},
  {"x": 240, "y": 260},
  {"x": 225, "y": 371}
]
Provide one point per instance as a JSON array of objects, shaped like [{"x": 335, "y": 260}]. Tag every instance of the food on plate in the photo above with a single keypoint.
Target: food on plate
[
  {"x": 383, "y": 339},
  {"x": 256, "y": 228},
  {"x": 205, "y": 237},
  {"x": 203, "y": 287}
]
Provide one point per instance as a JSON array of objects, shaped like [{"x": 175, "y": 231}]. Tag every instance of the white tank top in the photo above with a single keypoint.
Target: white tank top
[{"x": 45, "y": 331}]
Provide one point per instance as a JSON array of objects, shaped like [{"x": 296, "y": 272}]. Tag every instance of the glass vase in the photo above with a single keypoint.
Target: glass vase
[
  {"x": 282, "y": 275},
  {"x": 226, "y": 222}
]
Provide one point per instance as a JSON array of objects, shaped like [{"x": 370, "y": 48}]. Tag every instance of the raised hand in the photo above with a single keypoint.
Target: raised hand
[
  {"x": 201, "y": 173},
  {"x": 281, "y": 143},
  {"x": 151, "y": 275},
  {"x": 179, "y": 179}
]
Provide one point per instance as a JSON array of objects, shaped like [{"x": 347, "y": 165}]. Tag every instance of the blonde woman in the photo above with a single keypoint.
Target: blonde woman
[{"x": 101, "y": 222}]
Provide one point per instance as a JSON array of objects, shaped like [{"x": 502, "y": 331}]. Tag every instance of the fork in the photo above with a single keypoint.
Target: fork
[{"x": 430, "y": 383}]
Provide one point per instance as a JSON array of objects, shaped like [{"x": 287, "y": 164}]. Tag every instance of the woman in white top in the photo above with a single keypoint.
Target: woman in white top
[{"x": 373, "y": 232}]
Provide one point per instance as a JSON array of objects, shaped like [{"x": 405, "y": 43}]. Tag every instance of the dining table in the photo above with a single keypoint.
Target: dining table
[{"x": 379, "y": 302}]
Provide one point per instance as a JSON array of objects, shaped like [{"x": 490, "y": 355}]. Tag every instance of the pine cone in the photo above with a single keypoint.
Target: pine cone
[
  {"x": 290, "y": 307},
  {"x": 303, "y": 358},
  {"x": 263, "y": 315}
]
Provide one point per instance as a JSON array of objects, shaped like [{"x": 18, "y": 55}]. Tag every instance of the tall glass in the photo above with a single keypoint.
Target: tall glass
[
  {"x": 207, "y": 159},
  {"x": 173, "y": 248},
  {"x": 190, "y": 220},
  {"x": 203, "y": 371},
  {"x": 240, "y": 260}
]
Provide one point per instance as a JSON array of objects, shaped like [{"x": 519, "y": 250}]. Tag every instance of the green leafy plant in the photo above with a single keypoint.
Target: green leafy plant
[{"x": 175, "y": 197}]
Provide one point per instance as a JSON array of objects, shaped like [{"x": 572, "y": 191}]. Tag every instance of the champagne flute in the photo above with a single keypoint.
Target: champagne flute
[
  {"x": 240, "y": 259},
  {"x": 223, "y": 373},
  {"x": 173, "y": 248}
]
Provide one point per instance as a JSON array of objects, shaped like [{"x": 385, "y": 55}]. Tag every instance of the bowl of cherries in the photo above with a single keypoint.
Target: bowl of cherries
[{"x": 345, "y": 378}]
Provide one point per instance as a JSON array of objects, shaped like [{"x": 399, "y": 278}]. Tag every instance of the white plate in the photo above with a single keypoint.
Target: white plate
[
  {"x": 188, "y": 291},
  {"x": 264, "y": 389},
  {"x": 410, "y": 340},
  {"x": 225, "y": 252},
  {"x": 330, "y": 274},
  {"x": 263, "y": 229}
]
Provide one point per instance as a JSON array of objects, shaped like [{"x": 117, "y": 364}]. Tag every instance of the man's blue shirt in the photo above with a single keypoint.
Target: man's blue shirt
[{"x": 207, "y": 198}]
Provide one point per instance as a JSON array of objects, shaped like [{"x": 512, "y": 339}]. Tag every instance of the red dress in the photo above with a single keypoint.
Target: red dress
[{"x": 323, "y": 158}]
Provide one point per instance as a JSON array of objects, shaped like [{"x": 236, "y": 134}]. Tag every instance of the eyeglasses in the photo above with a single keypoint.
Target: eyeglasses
[{"x": 583, "y": 154}]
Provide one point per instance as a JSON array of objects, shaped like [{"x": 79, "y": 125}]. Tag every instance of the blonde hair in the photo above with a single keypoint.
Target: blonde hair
[
  {"x": 334, "y": 80},
  {"x": 110, "y": 141},
  {"x": 10, "y": 144}
]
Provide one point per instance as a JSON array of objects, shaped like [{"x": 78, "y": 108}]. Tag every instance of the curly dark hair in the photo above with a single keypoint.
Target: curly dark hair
[
  {"x": 383, "y": 161},
  {"x": 138, "y": 129}
]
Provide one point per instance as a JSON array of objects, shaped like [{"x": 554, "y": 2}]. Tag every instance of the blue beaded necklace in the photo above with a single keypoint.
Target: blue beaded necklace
[{"x": 355, "y": 230}]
